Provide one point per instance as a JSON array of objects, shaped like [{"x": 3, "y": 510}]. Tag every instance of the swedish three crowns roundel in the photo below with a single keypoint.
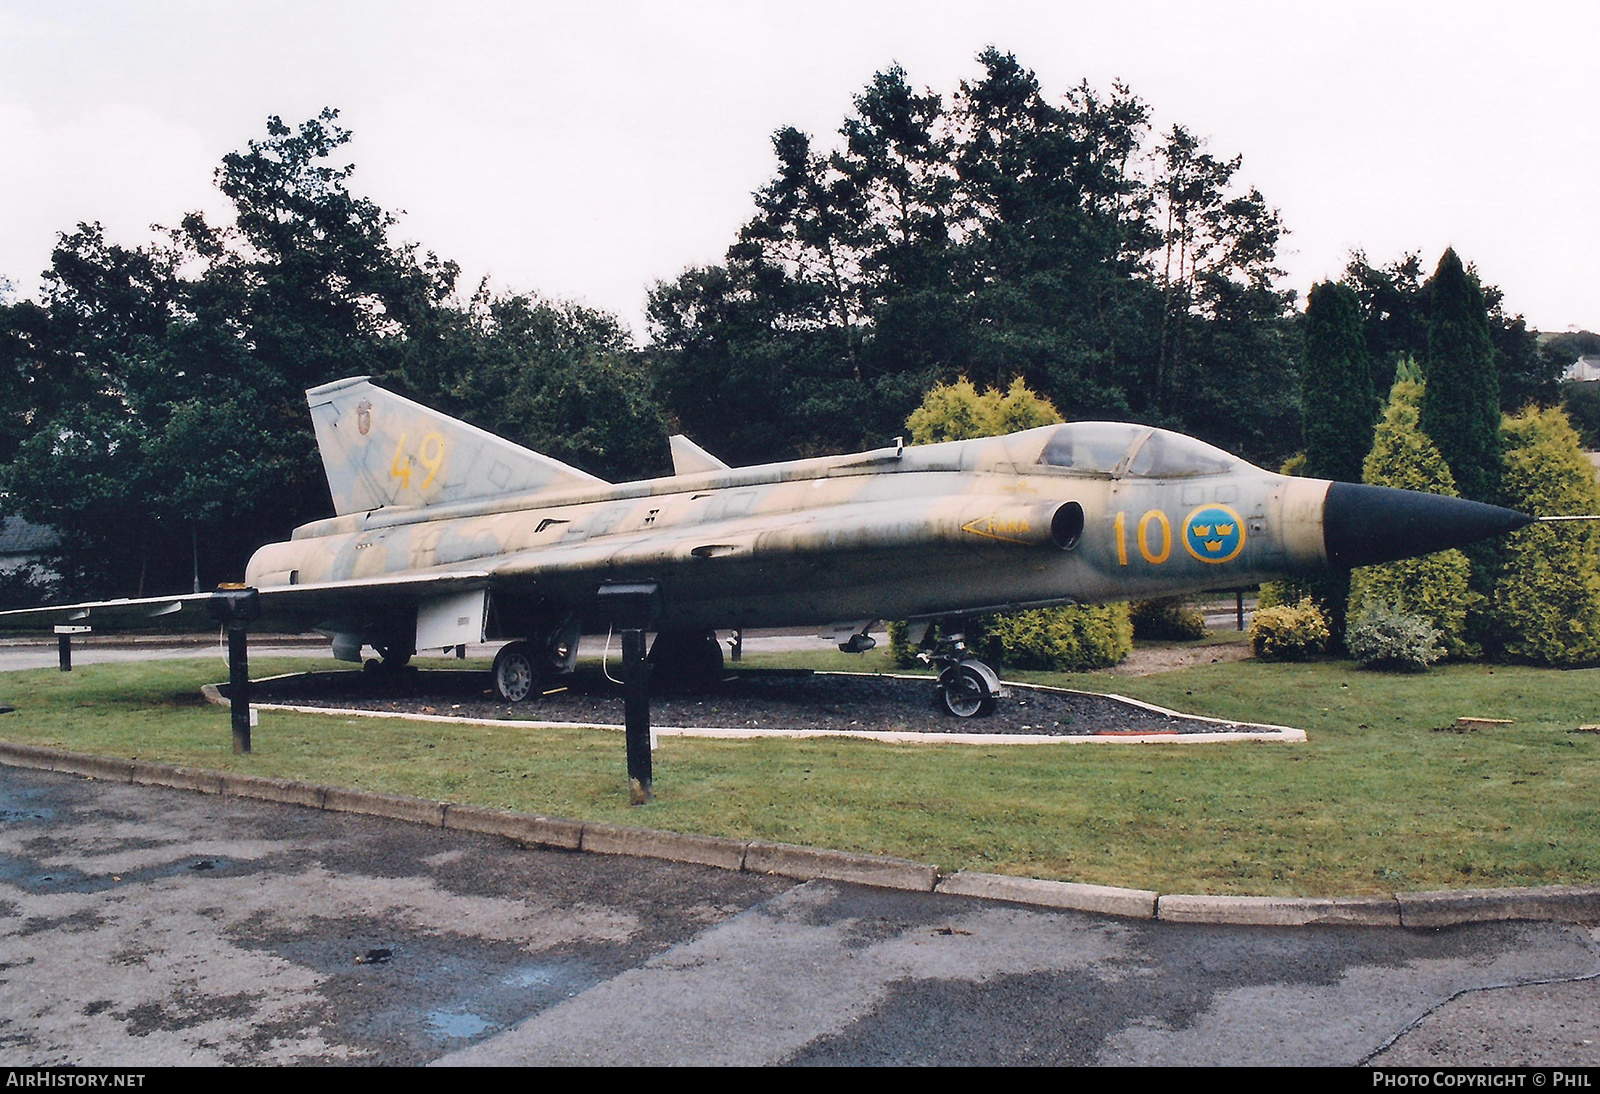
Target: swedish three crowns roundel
[{"x": 1214, "y": 533}]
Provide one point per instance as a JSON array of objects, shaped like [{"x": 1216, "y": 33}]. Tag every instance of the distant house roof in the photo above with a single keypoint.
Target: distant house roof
[
  {"x": 1586, "y": 367},
  {"x": 23, "y": 537}
]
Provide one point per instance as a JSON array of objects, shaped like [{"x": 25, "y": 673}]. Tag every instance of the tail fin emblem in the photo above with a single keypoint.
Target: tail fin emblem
[{"x": 363, "y": 417}]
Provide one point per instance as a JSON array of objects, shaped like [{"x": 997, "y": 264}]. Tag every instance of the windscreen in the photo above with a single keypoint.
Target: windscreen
[
  {"x": 1167, "y": 455},
  {"x": 1112, "y": 448},
  {"x": 1091, "y": 448}
]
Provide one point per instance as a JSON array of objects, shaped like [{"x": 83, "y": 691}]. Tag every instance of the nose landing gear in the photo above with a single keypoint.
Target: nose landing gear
[{"x": 967, "y": 688}]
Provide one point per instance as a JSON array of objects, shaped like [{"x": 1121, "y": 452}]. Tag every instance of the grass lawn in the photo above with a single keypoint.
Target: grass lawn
[{"x": 1378, "y": 800}]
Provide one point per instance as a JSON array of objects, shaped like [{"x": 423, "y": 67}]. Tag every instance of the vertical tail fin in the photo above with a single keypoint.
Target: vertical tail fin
[{"x": 379, "y": 450}]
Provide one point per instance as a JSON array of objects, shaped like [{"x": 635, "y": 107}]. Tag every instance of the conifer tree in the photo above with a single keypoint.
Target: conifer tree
[
  {"x": 1547, "y": 599},
  {"x": 1337, "y": 412},
  {"x": 1434, "y": 586},
  {"x": 1338, "y": 405},
  {"x": 1461, "y": 404}
]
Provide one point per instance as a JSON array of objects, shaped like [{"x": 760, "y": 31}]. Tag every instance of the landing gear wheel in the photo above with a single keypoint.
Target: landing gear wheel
[
  {"x": 967, "y": 690},
  {"x": 514, "y": 674},
  {"x": 686, "y": 662},
  {"x": 394, "y": 657},
  {"x": 388, "y": 676}
]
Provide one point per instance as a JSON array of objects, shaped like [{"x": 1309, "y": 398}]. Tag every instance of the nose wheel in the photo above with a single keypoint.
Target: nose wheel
[{"x": 967, "y": 689}]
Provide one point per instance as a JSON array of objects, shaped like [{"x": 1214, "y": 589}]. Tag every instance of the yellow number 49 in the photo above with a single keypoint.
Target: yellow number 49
[{"x": 430, "y": 454}]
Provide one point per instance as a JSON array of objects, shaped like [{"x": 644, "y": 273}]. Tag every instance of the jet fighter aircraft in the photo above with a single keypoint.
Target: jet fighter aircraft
[{"x": 444, "y": 534}]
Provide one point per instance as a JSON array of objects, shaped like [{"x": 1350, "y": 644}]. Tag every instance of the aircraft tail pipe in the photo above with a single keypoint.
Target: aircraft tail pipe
[{"x": 1035, "y": 524}]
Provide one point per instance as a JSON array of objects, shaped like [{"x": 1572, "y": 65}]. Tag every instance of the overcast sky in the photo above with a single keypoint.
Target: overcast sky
[{"x": 587, "y": 150}]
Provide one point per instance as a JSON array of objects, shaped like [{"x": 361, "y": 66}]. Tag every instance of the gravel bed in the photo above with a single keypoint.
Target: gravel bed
[{"x": 750, "y": 699}]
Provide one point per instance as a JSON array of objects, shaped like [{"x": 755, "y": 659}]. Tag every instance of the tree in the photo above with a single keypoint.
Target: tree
[
  {"x": 1434, "y": 587},
  {"x": 152, "y": 404},
  {"x": 998, "y": 232},
  {"x": 1394, "y": 309},
  {"x": 555, "y": 377},
  {"x": 1215, "y": 247},
  {"x": 1337, "y": 409},
  {"x": 1461, "y": 402},
  {"x": 76, "y": 451},
  {"x": 1338, "y": 404},
  {"x": 1546, "y": 602},
  {"x": 1395, "y": 305}
]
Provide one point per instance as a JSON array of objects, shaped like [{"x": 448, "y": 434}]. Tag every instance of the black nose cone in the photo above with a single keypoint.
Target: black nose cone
[{"x": 1364, "y": 525}]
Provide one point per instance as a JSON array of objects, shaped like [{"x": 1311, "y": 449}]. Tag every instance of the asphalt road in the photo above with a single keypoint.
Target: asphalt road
[{"x": 145, "y": 926}]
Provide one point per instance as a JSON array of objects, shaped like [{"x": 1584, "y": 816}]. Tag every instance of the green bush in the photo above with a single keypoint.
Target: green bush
[
  {"x": 1169, "y": 618},
  {"x": 1546, "y": 603},
  {"x": 1384, "y": 637},
  {"x": 958, "y": 411},
  {"x": 1075, "y": 637},
  {"x": 901, "y": 651},
  {"x": 1280, "y": 594},
  {"x": 1435, "y": 587},
  {"x": 1286, "y": 633}
]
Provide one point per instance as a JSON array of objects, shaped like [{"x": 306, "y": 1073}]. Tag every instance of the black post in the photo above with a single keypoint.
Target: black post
[
  {"x": 636, "y": 716},
  {"x": 736, "y": 647},
  {"x": 64, "y": 648},
  {"x": 236, "y": 607},
  {"x": 239, "y": 685},
  {"x": 1238, "y": 606},
  {"x": 631, "y": 608}
]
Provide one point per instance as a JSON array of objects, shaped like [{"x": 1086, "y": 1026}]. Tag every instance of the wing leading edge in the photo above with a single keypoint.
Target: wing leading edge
[{"x": 289, "y": 608}]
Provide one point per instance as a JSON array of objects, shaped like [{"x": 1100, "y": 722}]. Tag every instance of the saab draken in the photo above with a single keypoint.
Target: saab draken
[{"x": 443, "y": 535}]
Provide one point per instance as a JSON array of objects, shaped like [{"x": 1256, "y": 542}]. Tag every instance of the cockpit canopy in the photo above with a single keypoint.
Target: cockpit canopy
[{"x": 1119, "y": 449}]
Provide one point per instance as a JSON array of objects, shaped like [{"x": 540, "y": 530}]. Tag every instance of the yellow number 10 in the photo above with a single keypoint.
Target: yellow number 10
[{"x": 1155, "y": 557}]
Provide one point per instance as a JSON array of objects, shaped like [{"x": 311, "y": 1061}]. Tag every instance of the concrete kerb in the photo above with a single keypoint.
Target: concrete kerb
[
  {"x": 1444, "y": 908},
  {"x": 524, "y": 828},
  {"x": 1074, "y": 896},
  {"x": 616, "y": 839},
  {"x": 401, "y": 807},
  {"x": 1561, "y": 903},
  {"x": 1274, "y": 911},
  {"x": 283, "y": 791},
  {"x": 108, "y": 768},
  {"x": 808, "y": 863},
  {"x": 37, "y": 757}
]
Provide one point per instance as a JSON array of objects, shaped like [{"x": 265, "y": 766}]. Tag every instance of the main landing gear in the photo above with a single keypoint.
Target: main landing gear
[
  {"x": 514, "y": 673},
  {"x": 523, "y": 668},
  {"x": 681, "y": 662},
  {"x": 394, "y": 673},
  {"x": 686, "y": 661}
]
